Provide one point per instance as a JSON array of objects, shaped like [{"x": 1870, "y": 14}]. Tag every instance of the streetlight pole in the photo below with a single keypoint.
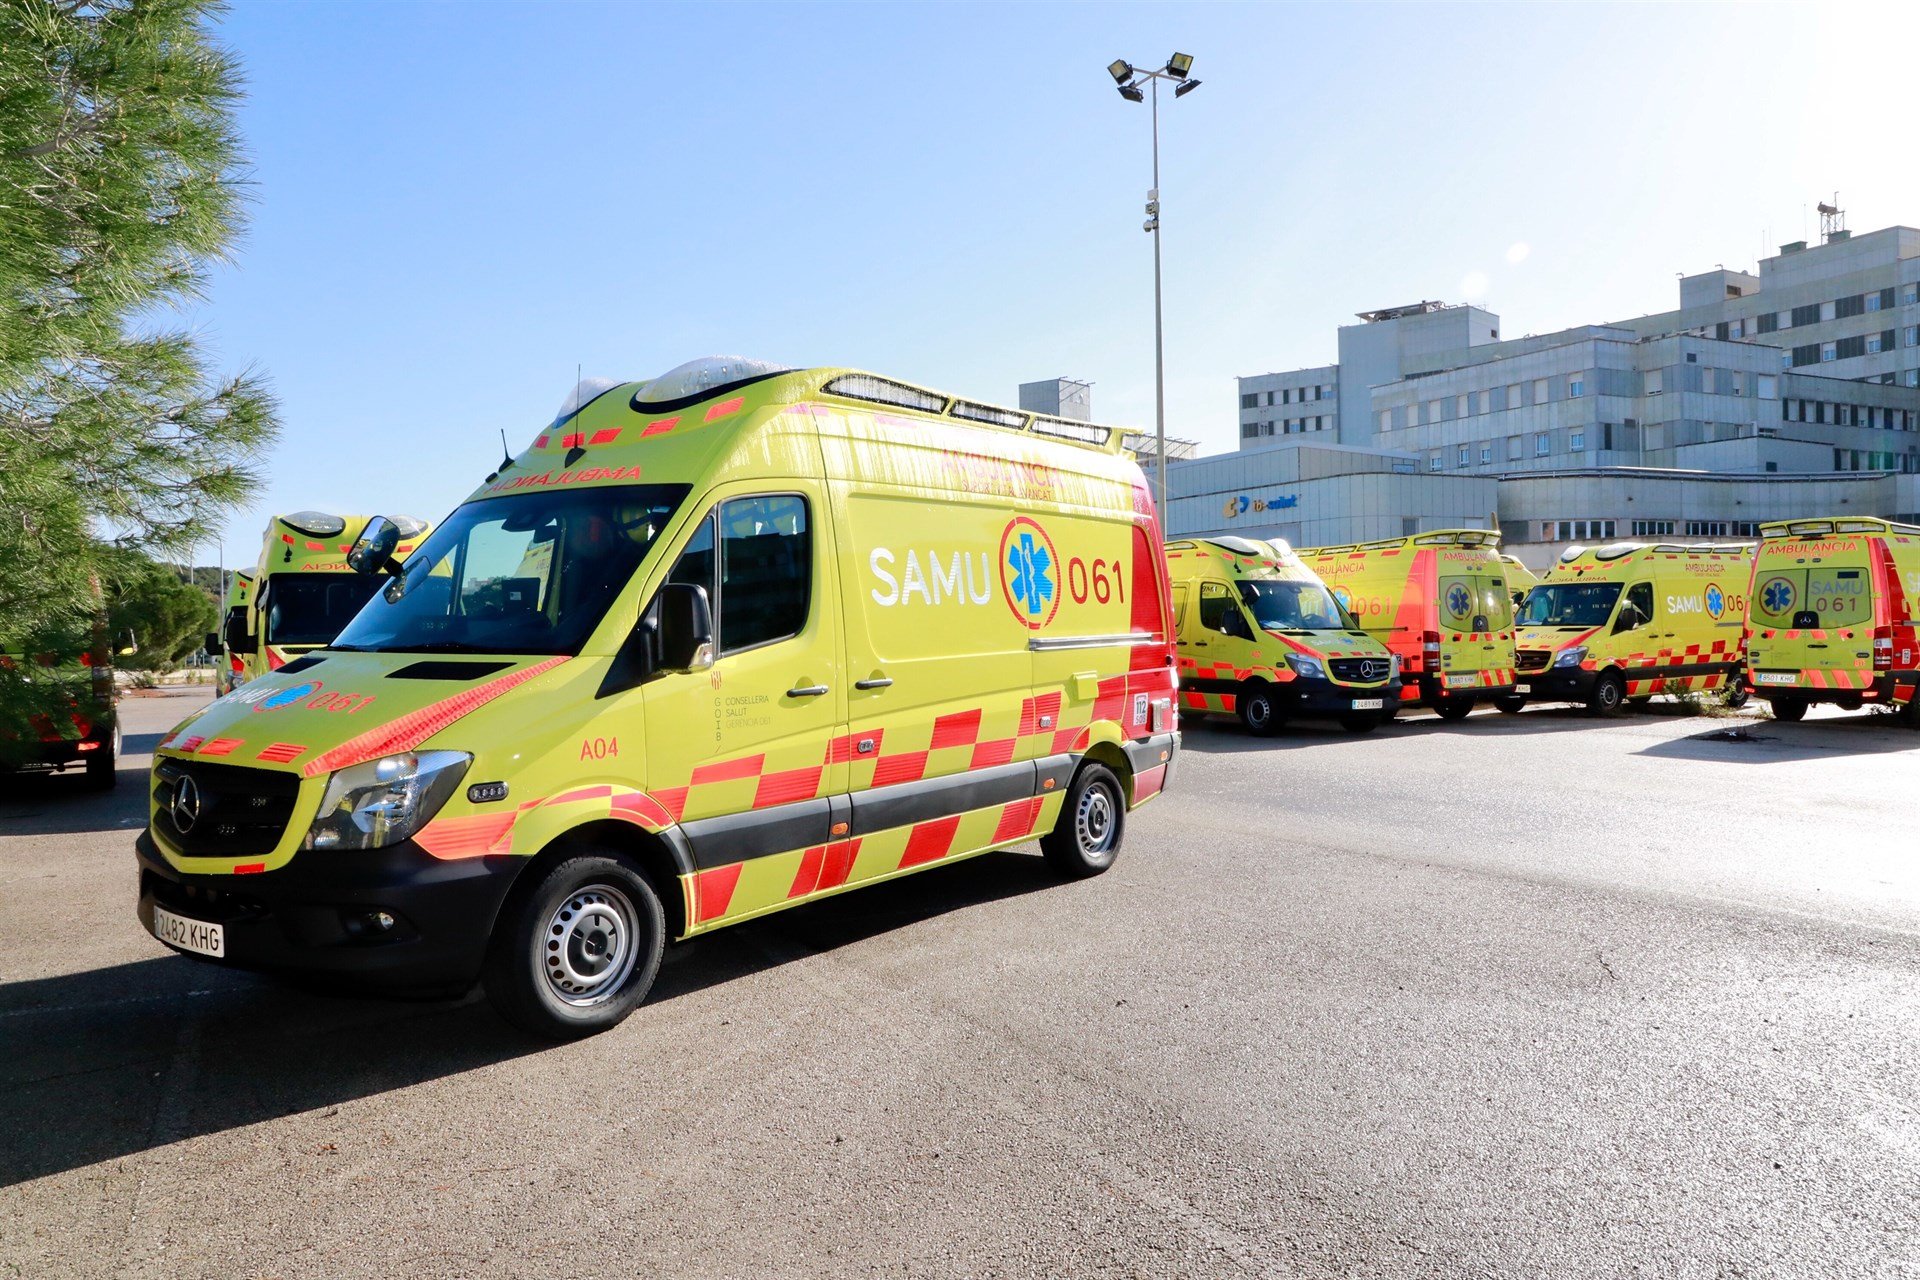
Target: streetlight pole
[{"x": 1129, "y": 78}]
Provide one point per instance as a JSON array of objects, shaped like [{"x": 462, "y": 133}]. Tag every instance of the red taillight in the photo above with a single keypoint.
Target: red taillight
[{"x": 1883, "y": 648}]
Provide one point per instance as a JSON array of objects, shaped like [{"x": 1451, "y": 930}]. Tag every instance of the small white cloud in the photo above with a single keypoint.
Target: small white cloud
[
  {"x": 1474, "y": 285},
  {"x": 1517, "y": 251}
]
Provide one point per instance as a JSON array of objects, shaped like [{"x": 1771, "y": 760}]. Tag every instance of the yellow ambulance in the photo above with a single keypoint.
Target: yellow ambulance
[
  {"x": 713, "y": 645},
  {"x": 230, "y": 666},
  {"x": 1830, "y": 616},
  {"x": 1261, "y": 637},
  {"x": 1629, "y": 620},
  {"x": 1439, "y": 602},
  {"x": 300, "y": 593}
]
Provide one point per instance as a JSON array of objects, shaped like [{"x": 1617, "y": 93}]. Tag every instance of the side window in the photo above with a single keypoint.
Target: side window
[
  {"x": 1495, "y": 603},
  {"x": 1640, "y": 596},
  {"x": 1215, "y": 605},
  {"x": 695, "y": 565},
  {"x": 766, "y": 570},
  {"x": 1179, "y": 604}
]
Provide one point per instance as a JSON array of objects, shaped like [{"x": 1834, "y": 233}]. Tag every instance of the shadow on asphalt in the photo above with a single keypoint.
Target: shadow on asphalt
[
  {"x": 63, "y": 804},
  {"x": 112, "y": 1062},
  {"x": 1771, "y": 742},
  {"x": 1224, "y": 735}
]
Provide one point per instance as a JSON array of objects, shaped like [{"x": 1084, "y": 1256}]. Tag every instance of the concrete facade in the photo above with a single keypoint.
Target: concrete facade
[{"x": 1775, "y": 381}]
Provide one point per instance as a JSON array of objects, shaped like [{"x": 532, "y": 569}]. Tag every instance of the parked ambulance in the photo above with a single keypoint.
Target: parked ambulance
[
  {"x": 1831, "y": 615},
  {"x": 299, "y": 595},
  {"x": 1520, "y": 579},
  {"x": 1630, "y": 620},
  {"x": 1439, "y": 602},
  {"x": 1261, "y": 637},
  {"x": 713, "y": 645}
]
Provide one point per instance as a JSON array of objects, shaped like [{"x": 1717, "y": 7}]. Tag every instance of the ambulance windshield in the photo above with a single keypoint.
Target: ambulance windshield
[
  {"x": 311, "y": 608},
  {"x": 1569, "y": 604},
  {"x": 533, "y": 573},
  {"x": 1280, "y": 605}
]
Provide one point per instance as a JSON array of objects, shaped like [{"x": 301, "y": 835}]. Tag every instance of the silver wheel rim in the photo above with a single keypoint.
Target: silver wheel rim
[
  {"x": 1094, "y": 822},
  {"x": 589, "y": 945}
]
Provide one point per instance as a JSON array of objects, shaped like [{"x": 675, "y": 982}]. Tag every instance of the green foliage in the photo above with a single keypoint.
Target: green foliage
[
  {"x": 150, "y": 609},
  {"x": 120, "y": 182}
]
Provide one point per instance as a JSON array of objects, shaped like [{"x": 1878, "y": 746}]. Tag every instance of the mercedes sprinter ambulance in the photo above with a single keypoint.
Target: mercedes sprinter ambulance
[
  {"x": 712, "y": 646},
  {"x": 1520, "y": 579},
  {"x": 1830, "y": 617},
  {"x": 1261, "y": 637},
  {"x": 300, "y": 593},
  {"x": 1439, "y": 602},
  {"x": 1630, "y": 620},
  {"x": 230, "y": 665}
]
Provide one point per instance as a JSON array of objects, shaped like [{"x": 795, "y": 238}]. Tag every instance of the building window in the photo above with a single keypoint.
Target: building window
[
  {"x": 1539, "y": 390},
  {"x": 1656, "y": 381},
  {"x": 1873, "y": 344},
  {"x": 1737, "y": 329},
  {"x": 1768, "y": 386},
  {"x": 1486, "y": 455},
  {"x": 1433, "y": 411},
  {"x": 1577, "y": 441},
  {"x": 1766, "y": 323},
  {"x": 1845, "y": 308},
  {"x": 1786, "y": 360},
  {"x": 1577, "y": 385},
  {"x": 1542, "y": 445},
  {"x": 1434, "y": 463},
  {"x": 1913, "y": 377},
  {"x": 1513, "y": 396},
  {"x": 1577, "y": 530},
  {"x": 1873, "y": 302},
  {"x": 1486, "y": 401},
  {"x": 1248, "y": 430},
  {"x": 1460, "y": 407},
  {"x": 1910, "y": 336},
  {"x": 1466, "y": 452},
  {"x": 1912, "y": 295},
  {"x": 1386, "y": 419},
  {"x": 1653, "y": 528},
  {"x": 1707, "y": 381},
  {"x": 1513, "y": 448},
  {"x": 1827, "y": 352},
  {"x": 1250, "y": 402}
]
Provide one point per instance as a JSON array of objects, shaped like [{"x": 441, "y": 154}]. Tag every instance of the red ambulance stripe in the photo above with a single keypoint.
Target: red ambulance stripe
[
  {"x": 1110, "y": 698},
  {"x": 673, "y": 800},
  {"x": 469, "y": 836},
  {"x": 410, "y": 730},
  {"x": 582, "y": 793},
  {"x": 930, "y": 841},
  {"x": 960, "y": 729},
  {"x": 1034, "y": 710},
  {"x": 807, "y": 878},
  {"x": 838, "y": 864},
  {"x": 787, "y": 786},
  {"x": 220, "y": 747},
  {"x": 1148, "y": 782},
  {"x": 909, "y": 766},
  {"x": 605, "y": 435},
  {"x": 643, "y": 810},
  {"x": 726, "y": 407},
  {"x": 659, "y": 428},
  {"x": 729, "y": 770},
  {"x": 188, "y": 745},
  {"x": 281, "y": 752},
  {"x": 713, "y": 891},
  {"x": 987, "y": 754},
  {"x": 1017, "y": 819},
  {"x": 573, "y": 439},
  {"x": 540, "y": 443},
  {"x": 846, "y": 747}
]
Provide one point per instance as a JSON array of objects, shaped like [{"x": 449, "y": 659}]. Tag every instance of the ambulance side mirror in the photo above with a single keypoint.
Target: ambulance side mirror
[
  {"x": 372, "y": 552},
  {"x": 684, "y": 622},
  {"x": 1630, "y": 618},
  {"x": 213, "y": 642},
  {"x": 235, "y": 631}
]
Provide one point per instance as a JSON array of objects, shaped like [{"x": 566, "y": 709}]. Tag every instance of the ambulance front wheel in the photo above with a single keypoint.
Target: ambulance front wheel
[
  {"x": 1609, "y": 694},
  {"x": 579, "y": 952},
  {"x": 1258, "y": 709},
  {"x": 1789, "y": 709},
  {"x": 1086, "y": 837}
]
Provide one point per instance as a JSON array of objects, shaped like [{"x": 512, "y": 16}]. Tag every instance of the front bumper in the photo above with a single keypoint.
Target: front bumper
[
  {"x": 301, "y": 917},
  {"x": 1555, "y": 684},
  {"x": 1319, "y": 696}
]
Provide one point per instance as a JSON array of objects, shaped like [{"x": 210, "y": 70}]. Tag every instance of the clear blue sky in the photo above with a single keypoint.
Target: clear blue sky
[{"x": 459, "y": 203}]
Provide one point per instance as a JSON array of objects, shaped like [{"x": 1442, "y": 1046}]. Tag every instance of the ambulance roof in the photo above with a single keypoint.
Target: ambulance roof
[
  {"x": 1630, "y": 551},
  {"x": 1489, "y": 538}
]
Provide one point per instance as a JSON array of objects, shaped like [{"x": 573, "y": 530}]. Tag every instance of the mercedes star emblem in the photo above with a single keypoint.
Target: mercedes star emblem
[{"x": 186, "y": 805}]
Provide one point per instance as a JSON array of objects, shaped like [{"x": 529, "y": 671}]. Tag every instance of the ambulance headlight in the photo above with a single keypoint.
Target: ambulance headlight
[
  {"x": 384, "y": 801},
  {"x": 1308, "y": 668},
  {"x": 1571, "y": 657}
]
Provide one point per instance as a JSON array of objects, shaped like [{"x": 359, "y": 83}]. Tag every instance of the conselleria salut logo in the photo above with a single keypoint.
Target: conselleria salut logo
[{"x": 1029, "y": 572}]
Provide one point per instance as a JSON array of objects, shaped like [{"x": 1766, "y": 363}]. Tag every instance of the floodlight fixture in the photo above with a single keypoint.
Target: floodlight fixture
[
  {"x": 1181, "y": 64},
  {"x": 1121, "y": 70},
  {"x": 1185, "y": 87},
  {"x": 1132, "y": 94}
]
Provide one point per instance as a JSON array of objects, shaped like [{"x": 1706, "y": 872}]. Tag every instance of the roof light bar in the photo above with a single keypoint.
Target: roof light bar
[
  {"x": 864, "y": 386},
  {"x": 315, "y": 524},
  {"x": 1063, "y": 429},
  {"x": 975, "y": 412}
]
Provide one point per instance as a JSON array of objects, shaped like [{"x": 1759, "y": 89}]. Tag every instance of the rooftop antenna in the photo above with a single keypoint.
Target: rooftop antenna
[
  {"x": 578, "y": 451},
  {"x": 1833, "y": 220}
]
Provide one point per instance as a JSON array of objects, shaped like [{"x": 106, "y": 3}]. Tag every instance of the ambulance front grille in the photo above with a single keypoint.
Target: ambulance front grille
[
  {"x": 1533, "y": 659},
  {"x": 234, "y": 811},
  {"x": 1361, "y": 670}
]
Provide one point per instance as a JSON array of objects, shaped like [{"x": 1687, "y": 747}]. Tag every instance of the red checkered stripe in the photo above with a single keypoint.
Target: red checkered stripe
[
  {"x": 1191, "y": 668},
  {"x": 657, "y": 427}
]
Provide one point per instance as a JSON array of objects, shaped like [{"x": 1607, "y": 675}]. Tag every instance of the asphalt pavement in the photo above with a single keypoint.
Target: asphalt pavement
[{"x": 1518, "y": 996}]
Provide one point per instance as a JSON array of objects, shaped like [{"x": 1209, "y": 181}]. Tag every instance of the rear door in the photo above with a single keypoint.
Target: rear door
[{"x": 1816, "y": 598}]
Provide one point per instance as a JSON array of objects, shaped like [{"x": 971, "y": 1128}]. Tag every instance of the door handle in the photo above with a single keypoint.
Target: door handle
[
  {"x": 878, "y": 682},
  {"x": 807, "y": 691}
]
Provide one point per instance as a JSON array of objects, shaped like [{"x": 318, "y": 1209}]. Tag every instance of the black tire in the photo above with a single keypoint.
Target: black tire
[
  {"x": 1609, "y": 695},
  {"x": 558, "y": 966},
  {"x": 1258, "y": 709},
  {"x": 1510, "y": 704},
  {"x": 1085, "y": 838},
  {"x": 1361, "y": 723},
  {"x": 1453, "y": 708},
  {"x": 1789, "y": 709},
  {"x": 1910, "y": 713},
  {"x": 1734, "y": 693},
  {"x": 102, "y": 768}
]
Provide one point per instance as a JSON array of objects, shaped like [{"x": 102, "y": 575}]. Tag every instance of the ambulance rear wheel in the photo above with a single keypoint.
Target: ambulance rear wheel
[
  {"x": 1734, "y": 693},
  {"x": 1086, "y": 836},
  {"x": 1510, "y": 704},
  {"x": 1365, "y": 723},
  {"x": 1789, "y": 709},
  {"x": 579, "y": 952},
  {"x": 1259, "y": 710},
  {"x": 1453, "y": 708},
  {"x": 1609, "y": 695}
]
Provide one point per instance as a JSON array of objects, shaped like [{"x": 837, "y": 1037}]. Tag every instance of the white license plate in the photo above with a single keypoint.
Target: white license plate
[
  {"x": 1523, "y": 688},
  {"x": 1462, "y": 682},
  {"x": 1775, "y": 677},
  {"x": 198, "y": 936},
  {"x": 1369, "y": 704}
]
